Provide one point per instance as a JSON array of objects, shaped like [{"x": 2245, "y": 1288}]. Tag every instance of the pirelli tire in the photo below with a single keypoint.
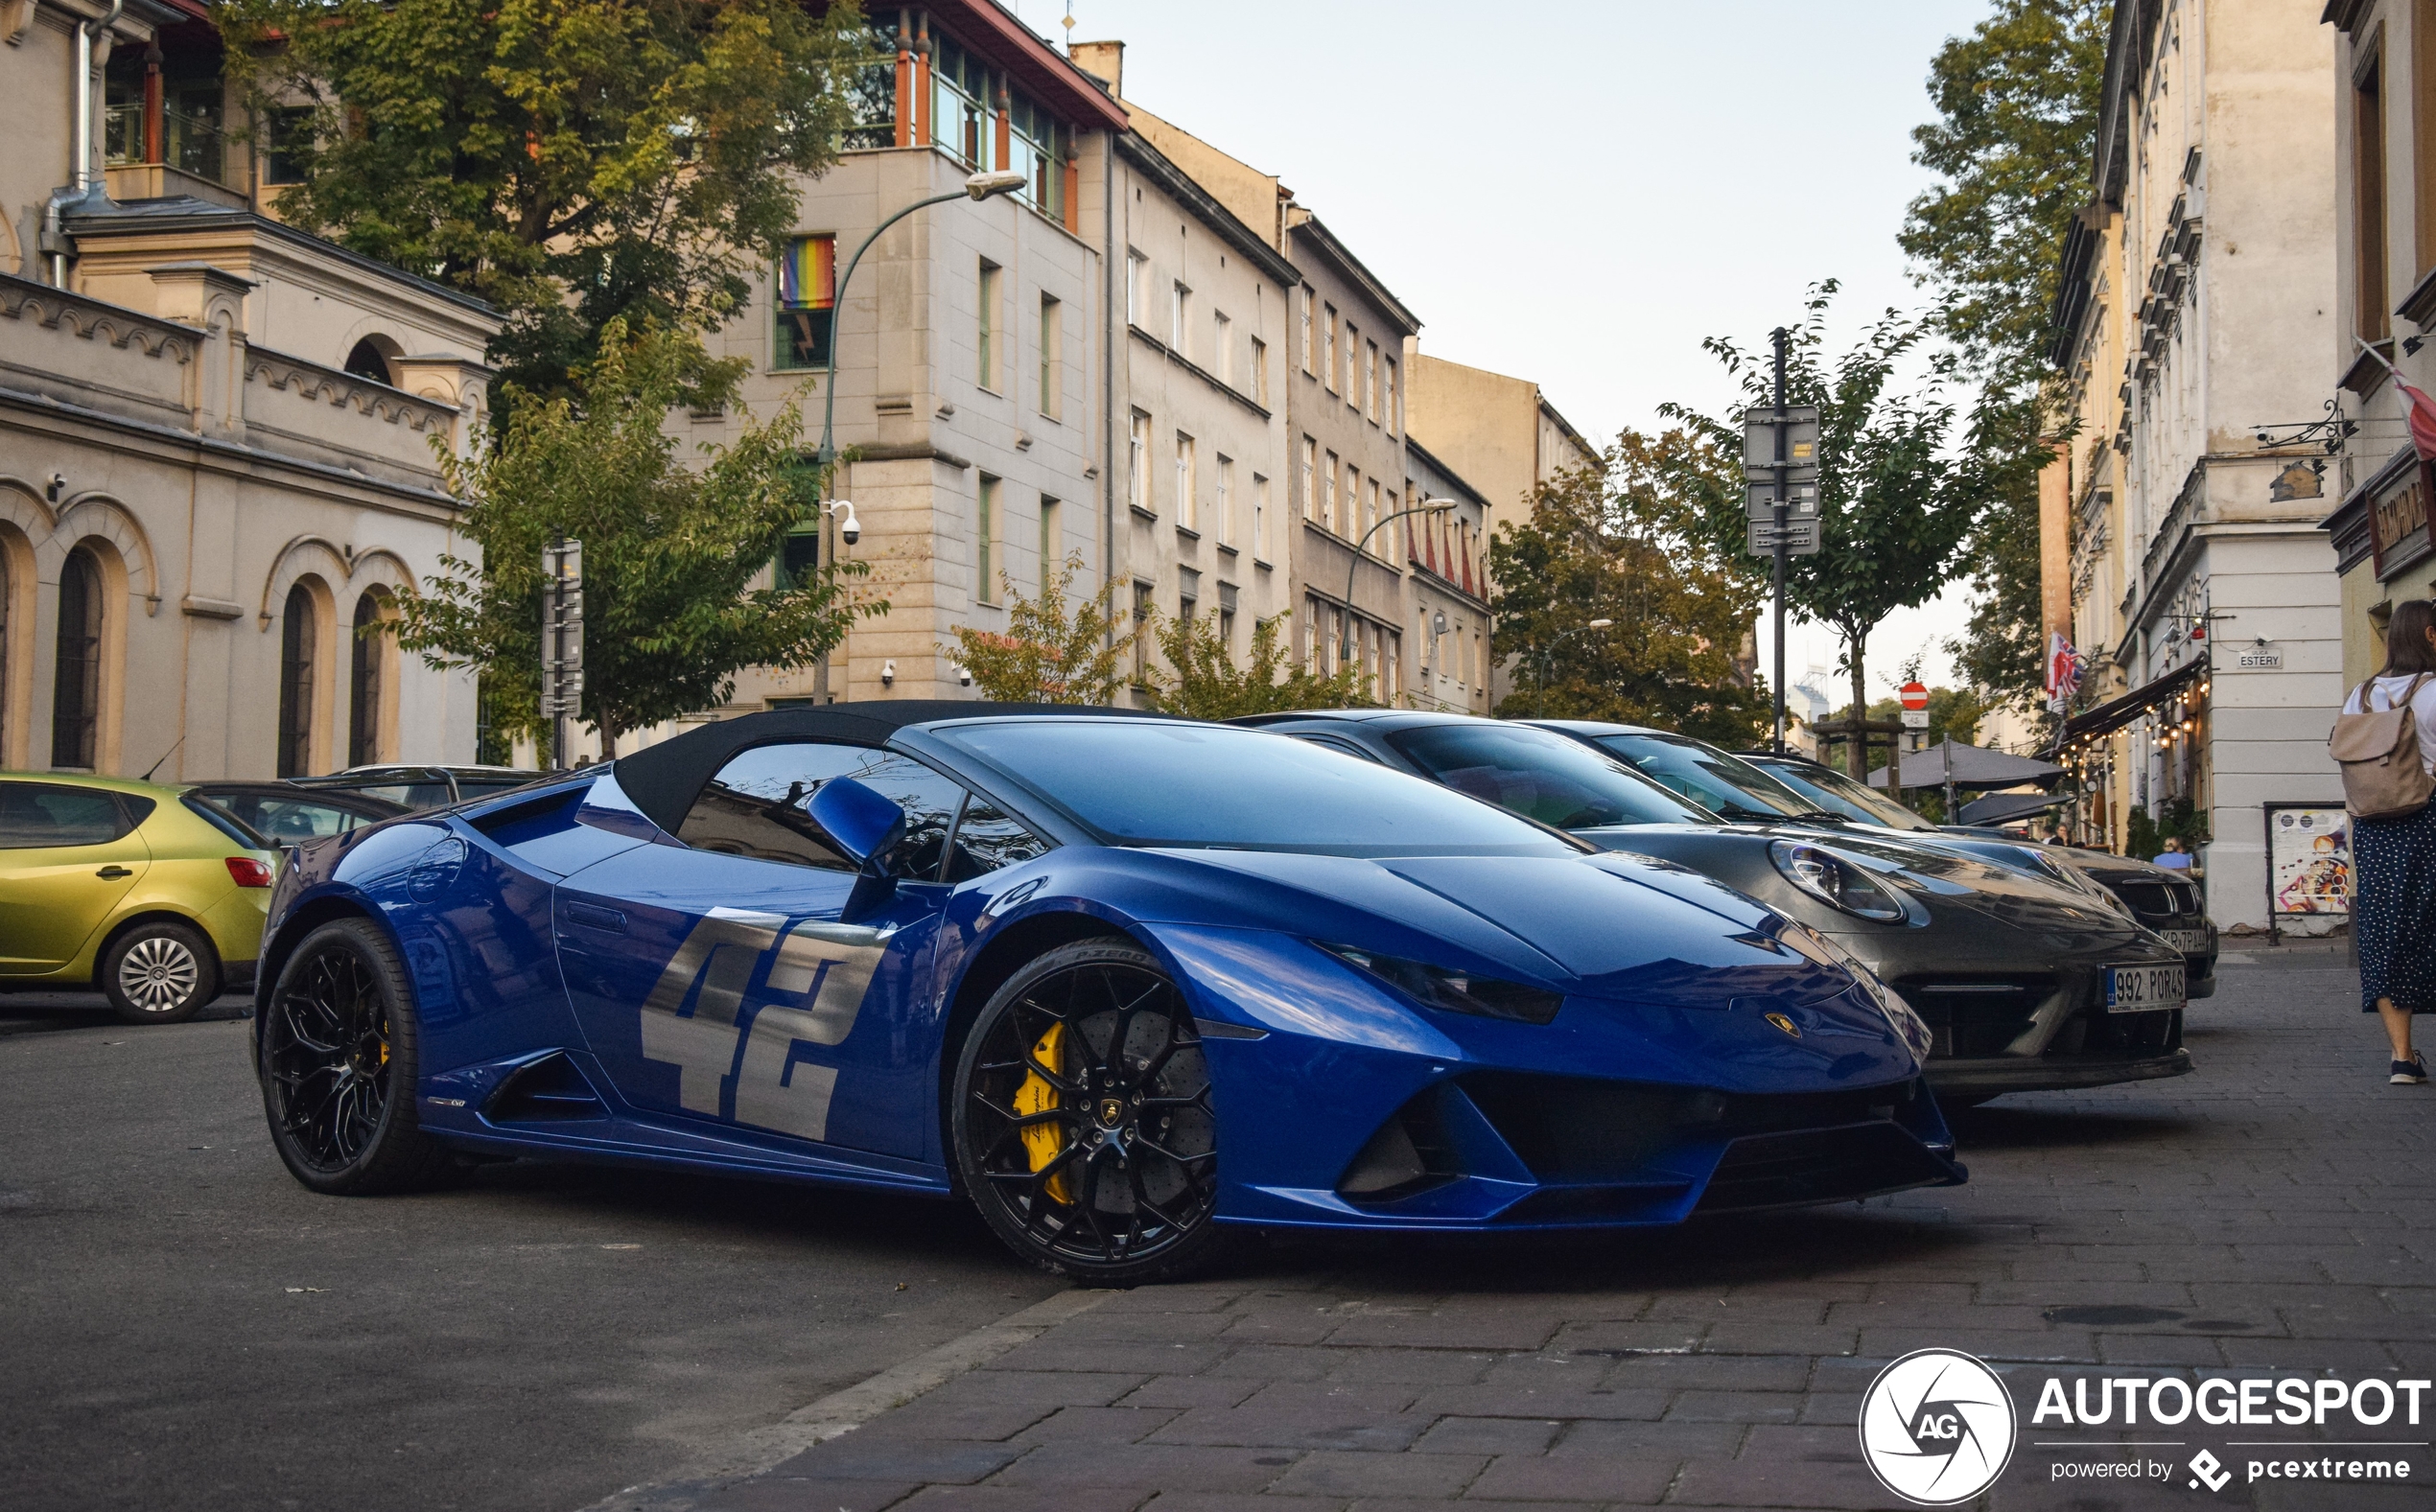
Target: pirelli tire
[
  {"x": 1081, "y": 1119},
  {"x": 337, "y": 1052}
]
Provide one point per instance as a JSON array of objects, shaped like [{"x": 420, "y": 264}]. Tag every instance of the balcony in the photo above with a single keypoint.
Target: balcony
[{"x": 195, "y": 157}]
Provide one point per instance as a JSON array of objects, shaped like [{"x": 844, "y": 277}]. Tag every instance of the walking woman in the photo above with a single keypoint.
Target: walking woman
[{"x": 2395, "y": 890}]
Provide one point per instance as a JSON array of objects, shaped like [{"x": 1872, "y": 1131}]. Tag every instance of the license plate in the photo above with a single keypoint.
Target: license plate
[
  {"x": 2189, "y": 942},
  {"x": 2143, "y": 989}
]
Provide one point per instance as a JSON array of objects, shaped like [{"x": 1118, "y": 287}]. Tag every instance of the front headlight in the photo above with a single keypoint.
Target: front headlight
[
  {"x": 1908, "y": 1025},
  {"x": 1454, "y": 992},
  {"x": 1837, "y": 882}
]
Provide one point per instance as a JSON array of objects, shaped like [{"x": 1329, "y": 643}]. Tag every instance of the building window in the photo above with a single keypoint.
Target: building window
[
  {"x": 1311, "y": 634},
  {"x": 297, "y": 639},
  {"x": 1352, "y": 365},
  {"x": 1327, "y": 356},
  {"x": 1138, "y": 463},
  {"x": 1225, "y": 499},
  {"x": 1304, "y": 316},
  {"x": 1222, "y": 354},
  {"x": 1143, "y": 602},
  {"x": 985, "y": 536},
  {"x": 75, "y": 690},
  {"x": 1370, "y": 381},
  {"x": 1187, "y": 517},
  {"x": 1352, "y": 498},
  {"x": 1036, "y": 148},
  {"x": 806, "y": 302},
  {"x": 1180, "y": 305},
  {"x": 1050, "y": 556},
  {"x": 1394, "y": 657},
  {"x": 1187, "y": 593},
  {"x": 364, "y": 650},
  {"x": 1136, "y": 291},
  {"x": 2423, "y": 128},
  {"x": 959, "y": 120},
  {"x": 1260, "y": 372},
  {"x": 1310, "y": 478},
  {"x": 290, "y": 139},
  {"x": 871, "y": 92},
  {"x": 1328, "y": 502},
  {"x": 986, "y": 325},
  {"x": 2368, "y": 179},
  {"x": 1052, "y": 359},
  {"x": 1259, "y": 518},
  {"x": 1393, "y": 420},
  {"x": 1370, "y": 516}
]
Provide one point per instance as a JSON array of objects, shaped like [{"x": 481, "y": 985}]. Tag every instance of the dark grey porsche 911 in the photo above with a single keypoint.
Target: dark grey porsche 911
[{"x": 2027, "y": 982}]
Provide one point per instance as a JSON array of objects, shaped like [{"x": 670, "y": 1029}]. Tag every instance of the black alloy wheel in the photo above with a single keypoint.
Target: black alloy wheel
[
  {"x": 337, "y": 1064},
  {"x": 1082, "y": 1120}
]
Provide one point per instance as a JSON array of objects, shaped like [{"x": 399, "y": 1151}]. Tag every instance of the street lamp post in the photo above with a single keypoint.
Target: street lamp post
[
  {"x": 1547, "y": 653},
  {"x": 1427, "y": 506},
  {"x": 980, "y": 186}
]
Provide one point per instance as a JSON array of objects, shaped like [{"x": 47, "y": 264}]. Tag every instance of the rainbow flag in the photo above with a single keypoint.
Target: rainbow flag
[{"x": 807, "y": 273}]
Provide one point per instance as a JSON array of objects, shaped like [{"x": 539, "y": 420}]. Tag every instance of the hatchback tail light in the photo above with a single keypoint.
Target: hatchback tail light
[{"x": 249, "y": 871}]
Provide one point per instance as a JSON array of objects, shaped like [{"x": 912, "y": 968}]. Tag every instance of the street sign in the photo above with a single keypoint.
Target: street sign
[
  {"x": 1915, "y": 719},
  {"x": 1914, "y": 695},
  {"x": 1801, "y": 442},
  {"x": 1801, "y": 538},
  {"x": 1801, "y": 501}
]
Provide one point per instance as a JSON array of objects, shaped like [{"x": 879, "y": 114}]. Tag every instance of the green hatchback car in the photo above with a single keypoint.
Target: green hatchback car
[{"x": 150, "y": 894}]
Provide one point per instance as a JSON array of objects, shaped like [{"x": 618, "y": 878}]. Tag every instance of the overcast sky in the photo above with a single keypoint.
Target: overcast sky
[{"x": 1579, "y": 192}]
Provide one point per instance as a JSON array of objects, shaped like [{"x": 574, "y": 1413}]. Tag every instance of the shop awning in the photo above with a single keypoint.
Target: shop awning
[
  {"x": 1975, "y": 767},
  {"x": 2117, "y": 712},
  {"x": 2003, "y": 808}
]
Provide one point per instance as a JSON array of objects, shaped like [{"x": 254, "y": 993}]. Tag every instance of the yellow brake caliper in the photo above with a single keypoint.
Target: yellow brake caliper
[{"x": 1043, "y": 1142}]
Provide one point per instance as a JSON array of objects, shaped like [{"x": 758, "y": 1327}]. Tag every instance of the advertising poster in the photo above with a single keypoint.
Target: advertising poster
[{"x": 2308, "y": 859}]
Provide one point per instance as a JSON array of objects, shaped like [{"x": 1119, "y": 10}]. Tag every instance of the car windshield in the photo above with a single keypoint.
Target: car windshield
[
  {"x": 1543, "y": 775},
  {"x": 1721, "y": 784},
  {"x": 1143, "y": 783},
  {"x": 1830, "y": 788},
  {"x": 287, "y": 819}
]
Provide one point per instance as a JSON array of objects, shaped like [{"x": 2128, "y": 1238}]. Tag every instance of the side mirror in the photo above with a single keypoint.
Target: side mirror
[{"x": 863, "y": 824}]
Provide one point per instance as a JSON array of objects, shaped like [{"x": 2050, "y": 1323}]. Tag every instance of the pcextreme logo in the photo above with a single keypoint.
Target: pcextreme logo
[{"x": 1936, "y": 1427}]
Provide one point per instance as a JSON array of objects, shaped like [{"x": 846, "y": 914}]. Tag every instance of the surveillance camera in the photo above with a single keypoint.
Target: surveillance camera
[
  {"x": 964, "y": 677},
  {"x": 58, "y": 485},
  {"x": 888, "y": 673},
  {"x": 849, "y": 528}
]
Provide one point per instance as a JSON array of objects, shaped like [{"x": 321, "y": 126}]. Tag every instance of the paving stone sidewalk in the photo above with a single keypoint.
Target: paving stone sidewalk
[{"x": 2271, "y": 1211}]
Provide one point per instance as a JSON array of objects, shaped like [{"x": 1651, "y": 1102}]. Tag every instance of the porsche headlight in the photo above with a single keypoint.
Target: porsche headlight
[
  {"x": 1454, "y": 992},
  {"x": 1837, "y": 882}
]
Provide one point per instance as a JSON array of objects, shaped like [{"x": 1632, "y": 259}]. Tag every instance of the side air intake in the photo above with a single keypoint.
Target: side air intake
[{"x": 550, "y": 1091}]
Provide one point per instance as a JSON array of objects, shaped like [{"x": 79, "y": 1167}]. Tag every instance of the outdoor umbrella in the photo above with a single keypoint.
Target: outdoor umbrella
[
  {"x": 2003, "y": 808},
  {"x": 1975, "y": 767}
]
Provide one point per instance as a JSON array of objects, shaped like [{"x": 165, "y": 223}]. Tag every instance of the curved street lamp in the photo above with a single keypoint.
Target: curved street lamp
[
  {"x": 1548, "y": 652},
  {"x": 1427, "y": 506},
  {"x": 979, "y": 187}
]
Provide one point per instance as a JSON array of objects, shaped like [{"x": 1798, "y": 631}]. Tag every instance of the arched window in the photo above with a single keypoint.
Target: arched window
[
  {"x": 363, "y": 685},
  {"x": 296, "y": 642},
  {"x": 76, "y": 695},
  {"x": 367, "y": 359}
]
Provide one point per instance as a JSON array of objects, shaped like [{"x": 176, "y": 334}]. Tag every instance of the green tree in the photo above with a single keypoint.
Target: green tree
[
  {"x": 1050, "y": 653},
  {"x": 1626, "y": 542},
  {"x": 1899, "y": 486},
  {"x": 669, "y": 550},
  {"x": 2017, "y": 104},
  {"x": 1204, "y": 682},
  {"x": 574, "y": 162}
]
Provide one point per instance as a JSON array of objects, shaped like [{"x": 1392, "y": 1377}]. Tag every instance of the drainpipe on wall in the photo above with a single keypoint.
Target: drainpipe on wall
[
  {"x": 85, "y": 185},
  {"x": 1107, "y": 368}
]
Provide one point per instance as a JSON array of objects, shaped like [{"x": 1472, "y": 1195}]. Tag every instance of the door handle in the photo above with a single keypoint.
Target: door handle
[{"x": 111, "y": 873}]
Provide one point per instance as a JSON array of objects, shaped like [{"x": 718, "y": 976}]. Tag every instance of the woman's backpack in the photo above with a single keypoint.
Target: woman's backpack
[{"x": 2384, "y": 776}]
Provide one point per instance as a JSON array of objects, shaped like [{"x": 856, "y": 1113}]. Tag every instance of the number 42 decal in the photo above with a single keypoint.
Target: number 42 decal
[{"x": 817, "y": 975}]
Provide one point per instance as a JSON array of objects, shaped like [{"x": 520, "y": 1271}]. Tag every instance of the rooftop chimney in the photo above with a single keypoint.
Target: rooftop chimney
[{"x": 1104, "y": 61}]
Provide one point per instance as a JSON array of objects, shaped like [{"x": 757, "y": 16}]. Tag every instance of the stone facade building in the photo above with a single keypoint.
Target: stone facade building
[
  {"x": 2202, "y": 595},
  {"x": 216, "y": 434}
]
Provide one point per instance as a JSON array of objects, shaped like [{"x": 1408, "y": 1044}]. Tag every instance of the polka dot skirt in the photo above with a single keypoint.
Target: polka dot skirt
[{"x": 2396, "y": 909}]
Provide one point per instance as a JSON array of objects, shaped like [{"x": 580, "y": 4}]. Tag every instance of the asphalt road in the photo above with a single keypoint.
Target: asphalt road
[{"x": 183, "y": 1326}]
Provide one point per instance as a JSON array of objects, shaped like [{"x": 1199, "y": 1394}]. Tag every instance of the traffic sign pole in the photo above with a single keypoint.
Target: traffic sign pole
[{"x": 1780, "y": 336}]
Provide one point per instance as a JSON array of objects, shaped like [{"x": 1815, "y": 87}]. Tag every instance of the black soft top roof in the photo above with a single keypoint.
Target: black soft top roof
[{"x": 663, "y": 779}]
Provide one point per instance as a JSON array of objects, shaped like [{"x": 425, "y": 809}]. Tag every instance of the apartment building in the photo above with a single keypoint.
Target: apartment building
[
  {"x": 2385, "y": 206},
  {"x": 2189, "y": 488},
  {"x": 215, "y": 459},
  {"x": 1444, "y": 552}
]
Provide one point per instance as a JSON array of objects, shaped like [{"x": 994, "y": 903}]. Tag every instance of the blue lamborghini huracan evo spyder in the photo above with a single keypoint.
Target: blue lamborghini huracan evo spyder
[{"x": 1118, "y": 979}]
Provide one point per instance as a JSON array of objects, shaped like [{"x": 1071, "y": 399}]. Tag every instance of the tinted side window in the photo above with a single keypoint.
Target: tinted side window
[
  {"x": 35, "y": 815},
  {"x": 755, "y": 806},
  {"x": 1346, "y": 747},
  {"x": 988, "y": 839},
  {"x": 759, "y": 806}
]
